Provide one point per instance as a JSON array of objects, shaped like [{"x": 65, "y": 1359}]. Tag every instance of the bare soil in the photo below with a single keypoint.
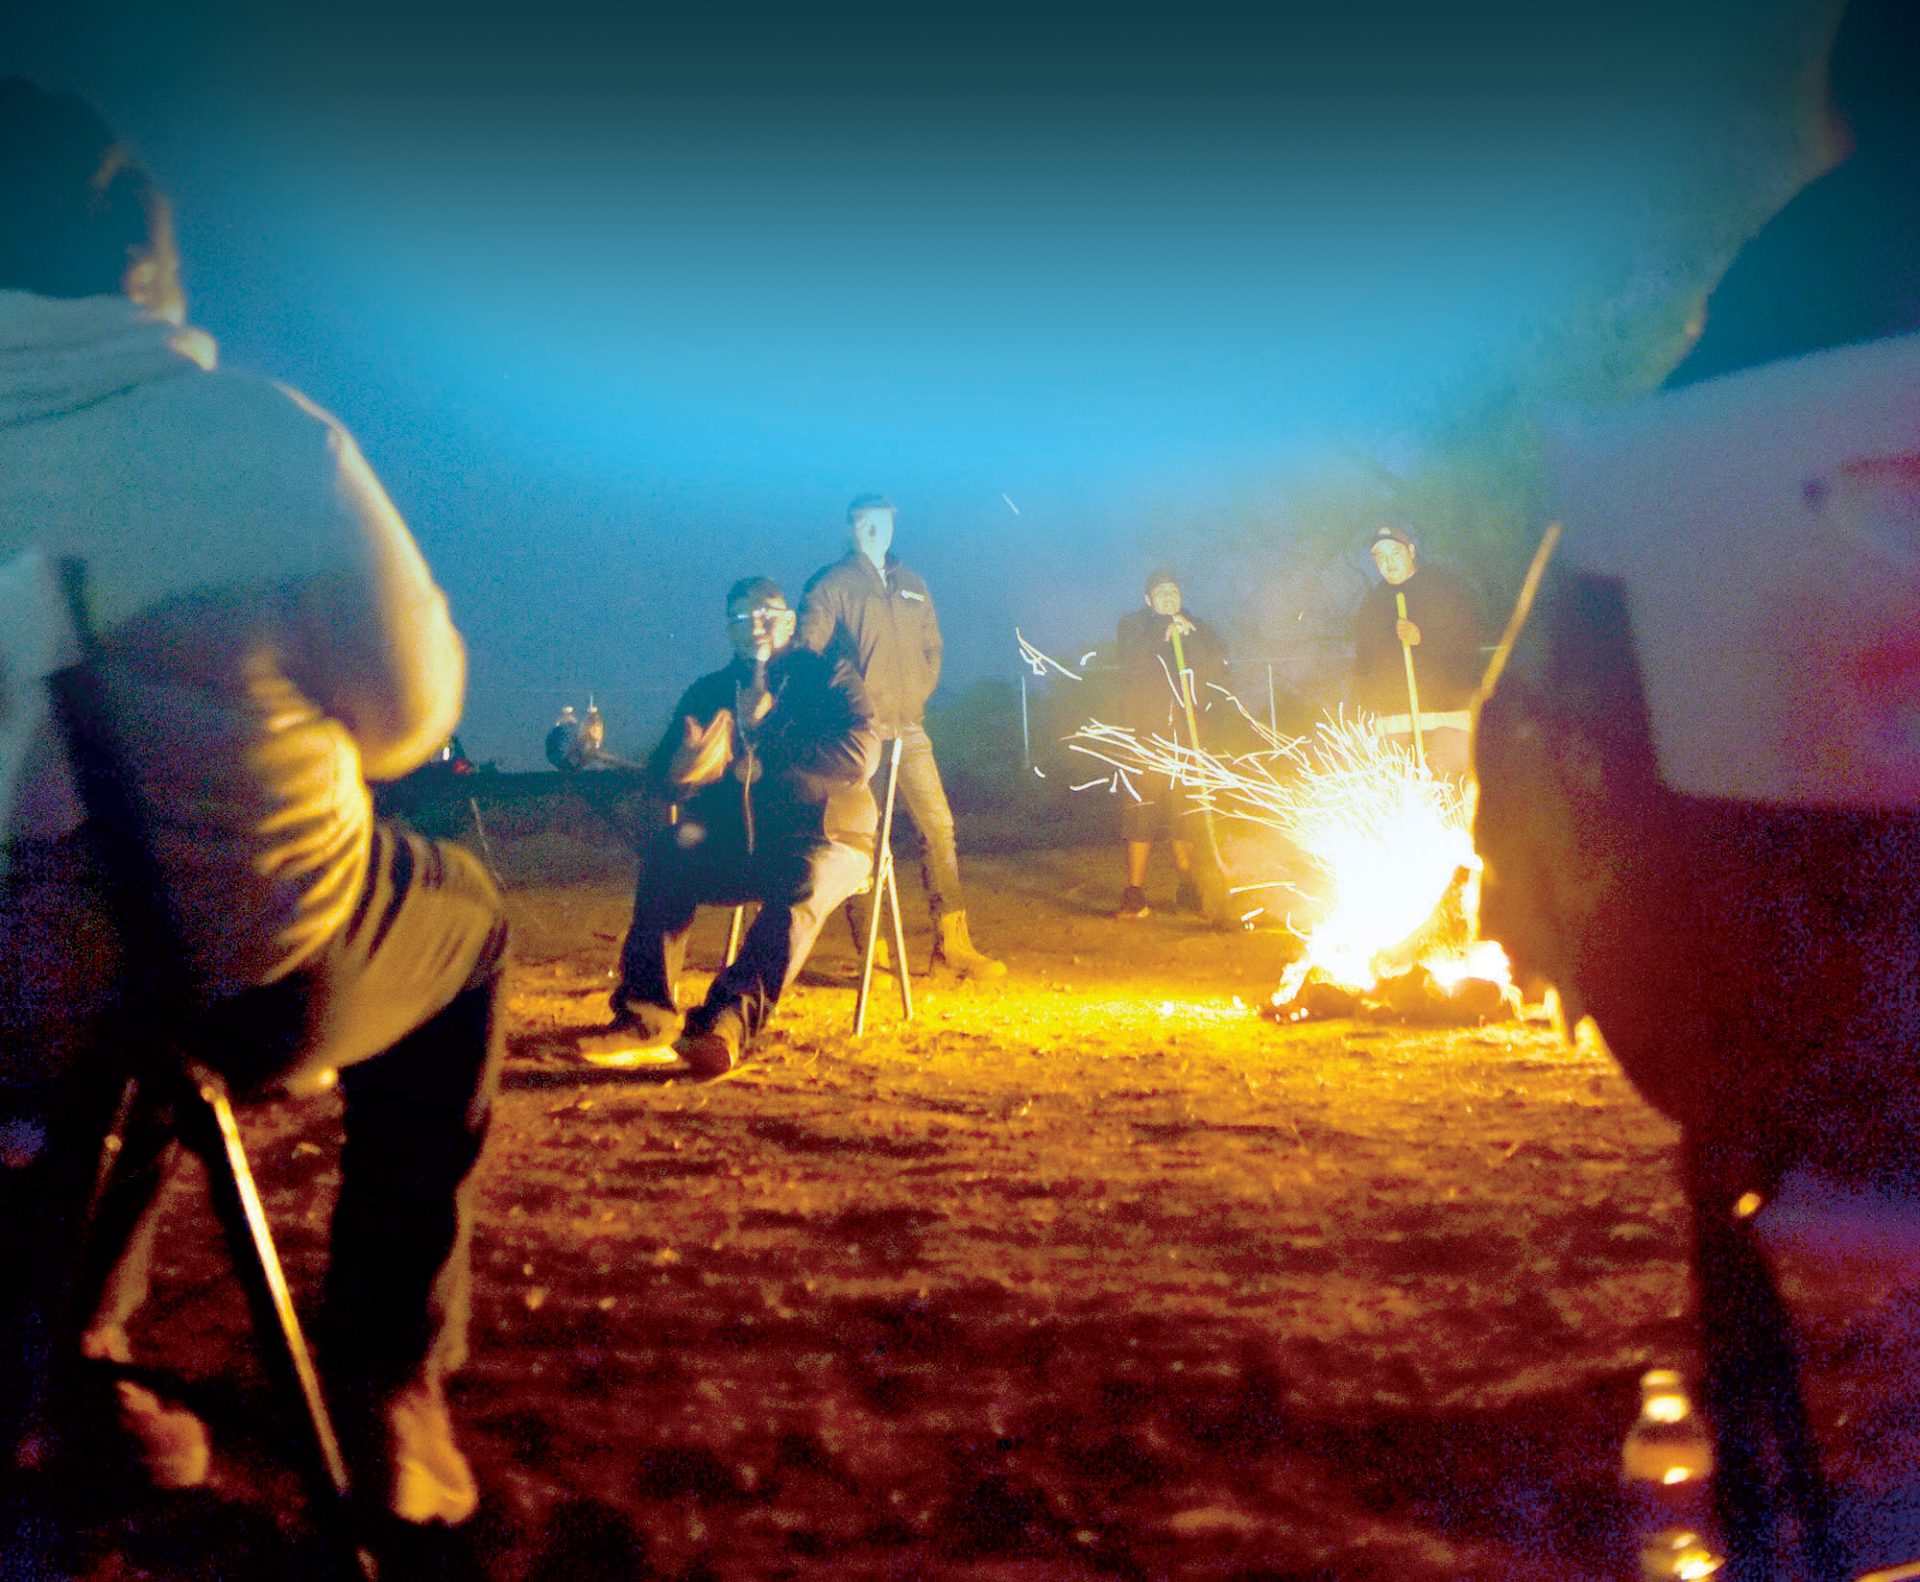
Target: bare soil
[{"x": 1089, "y": 1273}]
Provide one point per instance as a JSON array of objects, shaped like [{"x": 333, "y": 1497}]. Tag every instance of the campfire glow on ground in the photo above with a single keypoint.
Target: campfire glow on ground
[{"x": 1396, "y": 880}]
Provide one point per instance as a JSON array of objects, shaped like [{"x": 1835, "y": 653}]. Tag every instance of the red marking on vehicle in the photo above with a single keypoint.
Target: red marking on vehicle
[{"x": 1902, "y": 470}]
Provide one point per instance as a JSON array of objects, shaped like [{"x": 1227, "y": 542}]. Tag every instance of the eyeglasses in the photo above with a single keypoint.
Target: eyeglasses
[{"x": 762, "y": 612}]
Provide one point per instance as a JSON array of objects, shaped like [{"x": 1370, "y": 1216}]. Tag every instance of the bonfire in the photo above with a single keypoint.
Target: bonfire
[{"x": 1396, "y": 881}]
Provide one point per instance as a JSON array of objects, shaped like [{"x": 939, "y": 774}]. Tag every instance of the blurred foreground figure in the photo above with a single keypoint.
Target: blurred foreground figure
[
  {"x": 1700, "y": 772},
  {"x": 876, "y": 614},
  {"x": 1417, "y": 634},
  {"x": 271, "y": 638},
  {"x": 768, "y": 761},
  {"x": 1168, "y": 659}
]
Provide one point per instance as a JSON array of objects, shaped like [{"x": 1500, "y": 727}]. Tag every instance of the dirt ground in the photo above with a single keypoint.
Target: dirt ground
[{"x": 1091, "y": 1273}]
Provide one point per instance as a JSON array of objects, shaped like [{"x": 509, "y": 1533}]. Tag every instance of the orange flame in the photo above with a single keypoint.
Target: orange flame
[{"x": 1390, "y": 841}]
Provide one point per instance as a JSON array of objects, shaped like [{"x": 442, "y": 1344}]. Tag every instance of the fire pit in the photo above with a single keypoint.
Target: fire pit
[{"x": 1397, "y": 888}]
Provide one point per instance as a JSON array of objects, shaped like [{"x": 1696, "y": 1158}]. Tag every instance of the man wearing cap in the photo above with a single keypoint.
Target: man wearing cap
[
  {"x": 876, "y": 614},
  {"x": 767, "y": 761},
  {"x": 1170, "y": 661},
  {"x": 1417, "y": 636}
]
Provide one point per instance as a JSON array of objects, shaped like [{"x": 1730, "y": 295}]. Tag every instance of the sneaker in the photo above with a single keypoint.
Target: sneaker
[
  {"x": 641, "y": 1037},
  {"x": 127, "y": 1425},
  {"x": 1187, "y": 898},
  {"x": 401, "y": 1451},
  {"x": 713, "y": 1050},
  {"x": 166, "y": 1444},
  {"x": 1133, "y": 903}
]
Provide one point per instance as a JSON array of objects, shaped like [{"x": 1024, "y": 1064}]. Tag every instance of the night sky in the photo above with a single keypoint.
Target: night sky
[{"x": 623, "y": 307}]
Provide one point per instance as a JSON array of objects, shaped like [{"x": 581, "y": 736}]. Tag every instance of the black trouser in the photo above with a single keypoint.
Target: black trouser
[
  {"x": 798, "y": 883},
  {"x": 405, "y": 1000}
]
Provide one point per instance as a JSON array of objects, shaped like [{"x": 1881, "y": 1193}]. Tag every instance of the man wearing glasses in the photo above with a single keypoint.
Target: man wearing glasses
[{"x": 767, "y": 762}]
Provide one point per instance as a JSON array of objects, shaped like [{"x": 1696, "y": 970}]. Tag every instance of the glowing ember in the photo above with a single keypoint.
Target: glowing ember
[{"x": 1390, "y": 842}]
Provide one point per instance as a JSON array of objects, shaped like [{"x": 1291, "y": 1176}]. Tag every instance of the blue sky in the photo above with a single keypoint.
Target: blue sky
[{"x": 623, "y": 304}]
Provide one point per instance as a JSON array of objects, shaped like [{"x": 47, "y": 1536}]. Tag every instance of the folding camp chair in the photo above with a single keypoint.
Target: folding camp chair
[
  {"x": 152, "y": 1073},
  {"x": 880, "y": 884}
]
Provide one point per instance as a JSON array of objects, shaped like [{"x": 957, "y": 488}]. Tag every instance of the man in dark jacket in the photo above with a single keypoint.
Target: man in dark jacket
[
  {"x": 1169, "y": 661},
  {"x": 1423, "y": 620},
  {"x": 872, "y": 612},
  {"x": 768, "y": 761}
]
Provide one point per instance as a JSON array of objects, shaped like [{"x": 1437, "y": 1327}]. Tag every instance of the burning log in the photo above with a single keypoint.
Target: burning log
[
  {"x": 1418, "y": 996},
  {"x": 1398, "y": 891}
]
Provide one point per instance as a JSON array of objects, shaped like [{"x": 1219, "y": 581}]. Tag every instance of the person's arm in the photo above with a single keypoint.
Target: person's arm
[
  {"x": 830, "y": 743},
  {"x": 1450, "y": 626},
  {"x": 819, "y": 613},
  {"x": 932, "y": 645},
  {"x": 383, "y": 655},
  {"x": 1207, "y": 655},
  {"x": 695, "y": 748}
]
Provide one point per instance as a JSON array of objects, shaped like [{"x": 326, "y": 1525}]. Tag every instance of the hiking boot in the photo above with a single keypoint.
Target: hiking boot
[
  {"x": 1133, "y": 903},
  {"x": 714, "y": 1049},
  {"x": 639, "y": 1036},
  {"x": 404, "y": 1459},
  {"x": 1187, "y": 898},
  {"x": 954, "y": 947}
]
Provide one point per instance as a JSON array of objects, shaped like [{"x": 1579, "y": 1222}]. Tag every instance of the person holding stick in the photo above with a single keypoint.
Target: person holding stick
[
  {"x": 1168, "y": 660},
  {"x": 1416, "y": 653}
]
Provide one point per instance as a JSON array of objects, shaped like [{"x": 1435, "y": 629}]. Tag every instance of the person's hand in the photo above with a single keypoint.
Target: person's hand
[
  {"x": 704, "y": 751},
  {"x": 1407, "y": 632},
  {"x": 1180, "y": 625},
  {"x": 752, "y": 704}
]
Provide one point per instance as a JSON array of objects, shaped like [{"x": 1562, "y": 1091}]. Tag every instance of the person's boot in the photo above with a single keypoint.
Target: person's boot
[{"x": 955, "y": 949}]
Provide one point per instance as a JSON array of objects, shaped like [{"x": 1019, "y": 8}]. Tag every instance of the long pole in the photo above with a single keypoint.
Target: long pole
[
  {"x": 1413, "y": 687},
  {"x": 1186, "y": 684},
  {"x": 1214, "y": 896}
]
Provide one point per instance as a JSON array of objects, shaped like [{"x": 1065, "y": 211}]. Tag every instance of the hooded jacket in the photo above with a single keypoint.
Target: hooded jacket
[
  {"x": 813, "y": 753},
  {"x": 271, "y": 634},
  {"x": 883, "y": 624}
]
